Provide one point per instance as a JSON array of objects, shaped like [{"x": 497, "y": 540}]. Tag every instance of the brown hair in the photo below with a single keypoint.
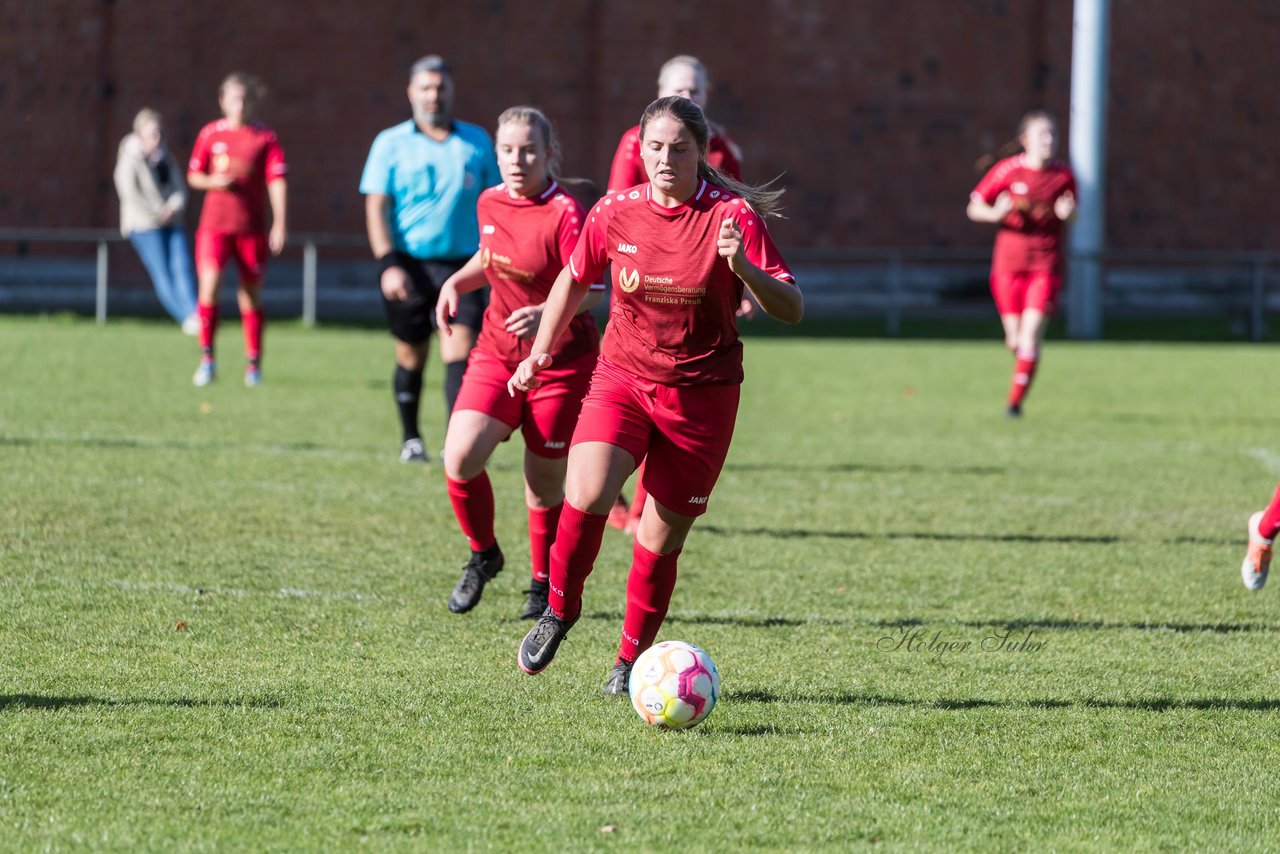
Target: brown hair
[
  {"x": 1013, "y": 146},
  {"x": 762, "y": 199}
]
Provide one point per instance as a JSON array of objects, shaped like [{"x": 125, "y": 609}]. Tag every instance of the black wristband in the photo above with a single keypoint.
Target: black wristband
[{"x": 391, "y": 259}]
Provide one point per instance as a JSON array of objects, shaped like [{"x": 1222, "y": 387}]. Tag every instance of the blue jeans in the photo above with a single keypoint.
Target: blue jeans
[{"x": 164, "y": 253}]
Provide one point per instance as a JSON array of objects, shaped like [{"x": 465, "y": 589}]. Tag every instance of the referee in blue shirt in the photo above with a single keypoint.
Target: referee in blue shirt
[{"x": 421, "y": 183}]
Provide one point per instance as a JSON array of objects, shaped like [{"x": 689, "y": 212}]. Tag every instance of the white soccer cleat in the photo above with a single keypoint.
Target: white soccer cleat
[
  {"x": 191, "y": 326},
  {"x": 204, "y": 374},
  {"x": 1258, "y": 559}
]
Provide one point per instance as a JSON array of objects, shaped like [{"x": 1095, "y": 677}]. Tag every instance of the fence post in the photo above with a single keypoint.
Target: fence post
[
  {"x": 309, "y": 283},
  {"x": 893, "y": 316},
  {"x": 100, "y": 310},
  {"x": 1256, "y": 324}
]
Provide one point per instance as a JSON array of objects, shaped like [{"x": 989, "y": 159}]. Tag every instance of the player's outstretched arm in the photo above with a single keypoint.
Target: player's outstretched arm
[
  {"x": 979, "y": 211},
  {"x": 780, "y": 300},
  {"x": 468, "y": 278},
  {"x": 563, "y": 302}
]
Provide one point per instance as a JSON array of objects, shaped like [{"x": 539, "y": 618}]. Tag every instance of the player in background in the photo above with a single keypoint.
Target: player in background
[
  {"x": 687, "y": 77},
  {"x": 529, "y": 225},
  {"x": 666, "y": 386},
  {"x": 235, "y": 160},
  {"x": 1263, "y": 527},
  {"x": 421, "y": 183},
  {"x": 1028, "y": 195}
]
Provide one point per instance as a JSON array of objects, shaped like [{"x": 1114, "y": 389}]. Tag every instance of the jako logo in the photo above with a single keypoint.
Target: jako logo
[
  {"x": 488, "y": 229},
  {"x": 628, "y": 281},
  {"x": 629, "y": 248},
  {"x": 555, "y": 445},
  {"x": 698, "y": 499}
]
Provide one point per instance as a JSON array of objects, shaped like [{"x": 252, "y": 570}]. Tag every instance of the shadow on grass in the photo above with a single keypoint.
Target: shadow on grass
[
  {"x": 1163, "y": 704},
  {"x": 147, "y": 444},
  {"x": 881, "y": 468},
  {"x": 744, "y": 621},
  {"x": 776, "y": 621},
  {"x": 803, "y": 533},
  {"x": 39, "y": 701}
]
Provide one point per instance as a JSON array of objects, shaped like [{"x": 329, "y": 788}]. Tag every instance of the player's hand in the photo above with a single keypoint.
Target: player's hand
[
  {"x": 276, "y": 238},
  {"x": 1065, "y": 205},
  {"x": 1002, "y": 206},
  {"x": 746, "y": 309},
  {"x": 395, "y": 284},
  {"x": 446, "y": 308},
  {"x": 729, "y": 244},
  {"x": 524, "y": 322},
  {"x": 525, "y": 379}
]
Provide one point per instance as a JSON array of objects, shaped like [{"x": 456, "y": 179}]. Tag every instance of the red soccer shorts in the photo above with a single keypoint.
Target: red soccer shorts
[
  {"x": 214, "y": 249},
  {"x": 1017, "y": 292},
  {"x": 545, "y": 416},
  {"x": 684, "y": 431}
]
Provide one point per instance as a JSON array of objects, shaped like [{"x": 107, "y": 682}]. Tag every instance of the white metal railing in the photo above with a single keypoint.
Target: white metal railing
[
  {"x": 103, "y": 238},
  {"x": 896, "y": 263}
]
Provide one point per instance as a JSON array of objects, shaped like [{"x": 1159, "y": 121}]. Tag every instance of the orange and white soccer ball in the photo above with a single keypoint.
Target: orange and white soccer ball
[{"x": 674, "y": 685}]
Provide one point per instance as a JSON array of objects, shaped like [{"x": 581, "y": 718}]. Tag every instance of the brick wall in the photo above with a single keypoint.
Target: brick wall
[{"x": 874, "y": 109}]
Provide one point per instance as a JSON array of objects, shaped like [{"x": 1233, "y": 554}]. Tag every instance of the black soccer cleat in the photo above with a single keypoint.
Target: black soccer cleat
[
  {"x": 540, "y": 645},
  {"x": 1014, "y": 411},
  {"x": 537, "y": 601},
  {"x": 619, "y": 679},
  {"x": 478, "y": 572}
]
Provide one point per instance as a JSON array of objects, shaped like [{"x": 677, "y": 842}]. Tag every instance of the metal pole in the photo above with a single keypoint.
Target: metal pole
[
  {"x": 101, "y": 300},
  {"x": 309, "y": 283},
  {"x": 1089, "y": 47},
  {"x": 1257, "y": 326}
]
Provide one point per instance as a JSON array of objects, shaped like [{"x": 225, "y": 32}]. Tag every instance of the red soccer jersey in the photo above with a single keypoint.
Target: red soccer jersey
[
  {"x": 524, "y": 244},
  {"x": 628, "y": 169},
  {"x": 671, "y": 315},
  {"x": 1029, "y": 239},
  {"x": 252, "y": 155}
]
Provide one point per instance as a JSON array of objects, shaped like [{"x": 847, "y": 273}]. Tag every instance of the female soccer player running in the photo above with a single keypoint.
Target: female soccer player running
[
  {"x": 1028, "y": 195},
  {"x": 687, "y": 77},
  {"x": 234, "y": 160},
  {"x": 528, "y": 227},
  {"x": 667, "y": 383}
]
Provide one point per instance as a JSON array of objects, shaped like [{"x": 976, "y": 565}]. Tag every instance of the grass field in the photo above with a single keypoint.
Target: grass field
[{"x": 222, "y": 618}]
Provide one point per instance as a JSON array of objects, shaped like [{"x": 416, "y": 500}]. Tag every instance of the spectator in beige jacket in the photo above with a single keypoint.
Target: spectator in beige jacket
[{"x": 152, "y": 197}]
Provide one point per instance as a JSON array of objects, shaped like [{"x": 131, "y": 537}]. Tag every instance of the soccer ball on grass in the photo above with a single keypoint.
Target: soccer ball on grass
[{"x": 674, "y": 685}]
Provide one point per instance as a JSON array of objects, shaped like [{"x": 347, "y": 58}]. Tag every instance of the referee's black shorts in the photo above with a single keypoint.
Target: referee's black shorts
[{"x": 411, "y": 320}]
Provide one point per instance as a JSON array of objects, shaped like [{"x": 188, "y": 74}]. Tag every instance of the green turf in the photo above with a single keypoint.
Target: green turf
[{"x": 222, "y": 620}]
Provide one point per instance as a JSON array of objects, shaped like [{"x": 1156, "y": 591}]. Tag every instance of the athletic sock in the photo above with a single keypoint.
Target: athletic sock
[
  {"x": 1269, "y": 524},
  {"x": 573, "y": 556},
  {"x": 542, "y": 535},
  {"x": 208, "y": 327},
  {"x": 472, "y": 502},
  {"x": 253, "y": 322},
  {"x": 408, "y": 391},
  {"x": 453, "y": 372},
  {"x": 1024, "y": 370},
  {"x": 649, "y": 586}
]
